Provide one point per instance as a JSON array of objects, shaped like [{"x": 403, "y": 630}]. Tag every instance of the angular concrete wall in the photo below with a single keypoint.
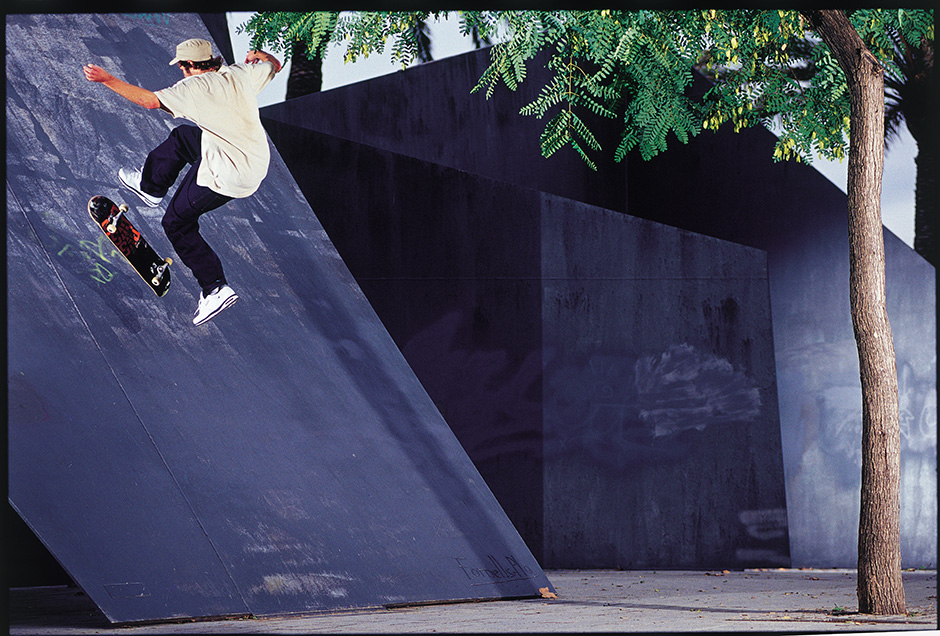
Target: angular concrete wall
[
  {"x": 427, "y": 112},
  {"x": 662, "y": 441},
  {"x": 283, "y": 458},
  {"x": 722, "y": 185},
  {"x": 799, "y": 218},
  {"x": 612, "y": 378}
]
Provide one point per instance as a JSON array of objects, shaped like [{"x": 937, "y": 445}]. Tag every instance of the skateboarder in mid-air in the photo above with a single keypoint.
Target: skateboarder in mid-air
[{"x": 227, "y": 149}]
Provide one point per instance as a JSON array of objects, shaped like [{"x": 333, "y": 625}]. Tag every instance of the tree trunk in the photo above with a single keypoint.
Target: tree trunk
[
  {"x": 306, "y": 75},
  {"x": 880, "y": 589}
]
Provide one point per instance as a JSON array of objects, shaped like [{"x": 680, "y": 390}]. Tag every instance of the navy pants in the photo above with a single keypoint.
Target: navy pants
[{"x": 181, "y": 221}]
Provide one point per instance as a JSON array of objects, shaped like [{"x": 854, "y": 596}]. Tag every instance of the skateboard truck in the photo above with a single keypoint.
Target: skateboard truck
[
  {"x": 112, "y": 225},
  {"x": 158, "y": 275}
]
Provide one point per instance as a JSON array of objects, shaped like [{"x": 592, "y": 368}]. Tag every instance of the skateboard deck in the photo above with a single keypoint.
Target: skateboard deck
[{"x": 113, "y": 221}]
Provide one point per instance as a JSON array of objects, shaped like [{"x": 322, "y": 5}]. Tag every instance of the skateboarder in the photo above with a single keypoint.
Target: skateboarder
[{"x": 227, "y": 149}]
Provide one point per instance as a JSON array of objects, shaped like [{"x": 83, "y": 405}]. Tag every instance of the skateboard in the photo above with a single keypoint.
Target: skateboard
[{"x": 113, "y": 221}]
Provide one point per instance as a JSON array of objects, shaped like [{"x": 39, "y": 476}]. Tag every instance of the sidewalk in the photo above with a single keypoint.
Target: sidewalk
[{"x": 800, "y": 601}]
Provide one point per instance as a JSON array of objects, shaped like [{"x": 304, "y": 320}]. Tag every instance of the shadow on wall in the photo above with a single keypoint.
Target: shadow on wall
[{"x": 827, "y": 477}]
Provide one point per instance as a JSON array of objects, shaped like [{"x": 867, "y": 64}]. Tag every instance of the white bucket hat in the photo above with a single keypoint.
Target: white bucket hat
[{"x": 194, "y": 50}]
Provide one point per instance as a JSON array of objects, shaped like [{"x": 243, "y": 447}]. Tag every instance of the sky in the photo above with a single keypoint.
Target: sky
[{"x": 897, "y": 196}]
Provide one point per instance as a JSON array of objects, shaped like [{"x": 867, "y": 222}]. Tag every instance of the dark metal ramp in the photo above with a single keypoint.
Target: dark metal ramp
[{"x": 281, "y": 459}]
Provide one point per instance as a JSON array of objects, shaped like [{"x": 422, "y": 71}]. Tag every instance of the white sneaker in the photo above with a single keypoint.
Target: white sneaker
[
  {"x": 131, "y": 179},
  {"x": 212, "y": 305}
]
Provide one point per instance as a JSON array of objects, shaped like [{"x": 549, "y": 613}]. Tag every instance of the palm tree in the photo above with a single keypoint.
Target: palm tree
[
  {"x": 424, "y": 42},
  {"x": 306, "y": 71},
  {"x": 909, "y": 98}
]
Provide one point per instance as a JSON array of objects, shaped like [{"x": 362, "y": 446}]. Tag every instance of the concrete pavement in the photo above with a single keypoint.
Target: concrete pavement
[{"x": 789, "y": 600}]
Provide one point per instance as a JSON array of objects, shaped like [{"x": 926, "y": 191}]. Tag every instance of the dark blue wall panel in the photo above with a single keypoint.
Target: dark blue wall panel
[
  {"x": 612, "y": 378},
  {"x": 799, "y": 218},
  {"x": 662, "y": 443},
  {"x": 723, "y": 185},
  {"x": 283, "y": 458}
]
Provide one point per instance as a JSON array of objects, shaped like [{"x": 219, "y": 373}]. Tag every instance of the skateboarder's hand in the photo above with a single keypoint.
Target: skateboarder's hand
[
  {"x": 254, "y": 57},
  {"x": 96, "y": 73},
  {"x": 136, "y": 94}
]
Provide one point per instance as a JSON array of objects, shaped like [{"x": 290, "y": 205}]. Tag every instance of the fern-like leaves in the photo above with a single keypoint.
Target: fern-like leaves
[{"x": 765, "y": 66}]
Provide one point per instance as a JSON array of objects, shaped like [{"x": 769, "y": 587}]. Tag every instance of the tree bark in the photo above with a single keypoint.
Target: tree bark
[
  {"x": 306, "y": 75},
  {"x": 880, "y": 589}
]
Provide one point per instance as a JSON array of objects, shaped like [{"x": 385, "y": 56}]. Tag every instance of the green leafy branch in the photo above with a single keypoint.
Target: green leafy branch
[{"x": 766, "y": 67}]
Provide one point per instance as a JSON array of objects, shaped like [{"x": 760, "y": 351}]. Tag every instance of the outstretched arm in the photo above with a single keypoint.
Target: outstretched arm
[
  {"x": 254, "y": 57},
  {"x": 136, "y": 94}
]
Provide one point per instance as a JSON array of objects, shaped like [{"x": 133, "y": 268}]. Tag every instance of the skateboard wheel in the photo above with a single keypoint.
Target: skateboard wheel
[
  {"x": 155, "y": 280},
  {"x": 169, "y": 261},
  {"x": 112, "y": 228},
  {"x": 123, "y": 207}
]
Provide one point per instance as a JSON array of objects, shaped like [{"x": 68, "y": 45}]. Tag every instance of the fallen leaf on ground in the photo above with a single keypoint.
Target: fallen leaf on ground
[{"x": 546, "y": 594}]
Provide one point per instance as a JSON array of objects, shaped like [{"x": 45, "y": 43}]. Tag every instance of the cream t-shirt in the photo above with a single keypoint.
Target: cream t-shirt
[{"x": 224, "y": 104}]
